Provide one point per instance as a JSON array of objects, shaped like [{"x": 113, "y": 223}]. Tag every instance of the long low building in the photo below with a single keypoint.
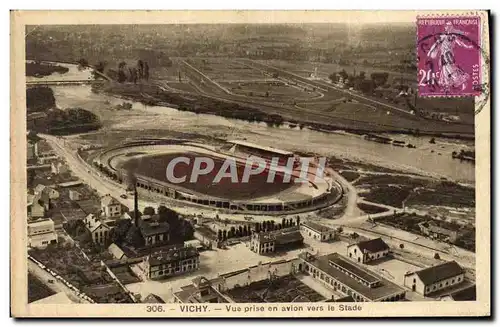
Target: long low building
[
  {"x": 317, "y": 231},
  {"x": 344, "y": 276}
]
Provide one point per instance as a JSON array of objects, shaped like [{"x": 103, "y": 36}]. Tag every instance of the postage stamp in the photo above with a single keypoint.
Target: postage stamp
[{"x": 449, "y": 56}]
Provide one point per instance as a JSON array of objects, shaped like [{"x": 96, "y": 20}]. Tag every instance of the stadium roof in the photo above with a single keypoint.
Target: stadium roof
[{"x": 261, "y": 147}]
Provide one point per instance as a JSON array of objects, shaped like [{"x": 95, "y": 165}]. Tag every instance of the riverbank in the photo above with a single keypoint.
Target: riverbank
[{"x": 153, "y": 95}]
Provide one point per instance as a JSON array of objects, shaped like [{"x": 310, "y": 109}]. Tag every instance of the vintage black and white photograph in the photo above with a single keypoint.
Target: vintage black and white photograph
[{"x": 267, "y": 168}]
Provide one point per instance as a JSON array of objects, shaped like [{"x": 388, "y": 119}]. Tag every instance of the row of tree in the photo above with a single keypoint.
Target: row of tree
[
  {"x": 134, "y": 73},
  {"x": 264, "y": 226}
]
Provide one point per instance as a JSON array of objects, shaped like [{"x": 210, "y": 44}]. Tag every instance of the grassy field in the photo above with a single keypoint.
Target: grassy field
[
  {"x": 392, "y": 190},
  {"x": 219, "y": 69},
  {"x": 271, "y": 90}
]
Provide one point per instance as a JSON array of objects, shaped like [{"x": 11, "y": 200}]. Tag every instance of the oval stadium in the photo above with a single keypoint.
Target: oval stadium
[{"x": 147, "y": 160}]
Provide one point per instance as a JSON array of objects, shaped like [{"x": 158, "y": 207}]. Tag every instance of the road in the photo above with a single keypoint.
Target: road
[{"x": 57, "y": 286}]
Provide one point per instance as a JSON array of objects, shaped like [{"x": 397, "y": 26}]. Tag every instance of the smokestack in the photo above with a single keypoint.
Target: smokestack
[{"x": 136, "y": 207}]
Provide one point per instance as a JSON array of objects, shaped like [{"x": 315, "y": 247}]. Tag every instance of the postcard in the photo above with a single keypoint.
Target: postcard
[{"x": 250, "y": 164}]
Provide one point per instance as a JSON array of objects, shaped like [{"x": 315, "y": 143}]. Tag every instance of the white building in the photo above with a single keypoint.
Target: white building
[
  {"x": 98, "y": 230},
  {"x": 32, "y": 149},
  {"x": 436, "y": 278},
  {"x": 74, "y": 195},
  {"x": 110, "y": 206},
  {"x": 58, "y": 167},
  {"x": 317, "y": 232},
  {"x": 367, "y": 251},
  {"x": 41, "y": 233}
]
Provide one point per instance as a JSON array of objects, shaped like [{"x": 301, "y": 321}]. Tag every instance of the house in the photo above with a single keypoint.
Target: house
[
  {"x": 41, "y": 233},
  {"x": 74, "y": 195},
  {"x": 110, "y": 206},
  {"x": 46, "y": 190},
  {"x": 38, "y": 205},
  {"x": 271, "y": 241},
  {"x": 317, "y": 231},
  {"x": 464, "y": 294},
  {"x": 32, "y": 150},
  {"x": 98, "y": 229},
  {"x": 447, "y": 232},
  {"x": 432, "y": 279},
  {"x": 171, "y": 262},
  {"x": 367, "y": 251},
  {"x": 348, "y": 278},
  {"x": 152, "y": 298},
  {"x": 58, "y": 167},
  {"x": 200, "y": 291},
  {"x": 116, "y": 252},
  {"x": 153, "y": 231}
]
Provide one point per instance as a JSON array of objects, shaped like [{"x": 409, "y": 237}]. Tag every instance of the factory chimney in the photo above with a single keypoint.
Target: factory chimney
[{"x": 136, "y": 207}]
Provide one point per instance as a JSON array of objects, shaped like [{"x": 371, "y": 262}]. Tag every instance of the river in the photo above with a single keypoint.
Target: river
[{"x": 427, "y": 158}]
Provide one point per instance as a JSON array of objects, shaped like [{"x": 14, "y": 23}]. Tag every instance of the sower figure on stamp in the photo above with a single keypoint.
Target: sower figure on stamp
[{"x": 450, "y": 74}]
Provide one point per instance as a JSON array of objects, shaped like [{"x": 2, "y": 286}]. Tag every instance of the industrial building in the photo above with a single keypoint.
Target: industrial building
[
  {"x": 271, "y": 241},
  {"x": 436, "y": 278},
  {"x": 342, "y": 275},
  {"x": 175, "y": 261},
  {"x": 41, "y": 233},
  {"x": 317, "y": 231}
]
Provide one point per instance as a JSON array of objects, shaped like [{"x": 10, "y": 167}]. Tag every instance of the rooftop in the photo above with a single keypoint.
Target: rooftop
[
  {"x": 375, "y": 245},
  {"x": 361, "y": 273},
  {"x": 316, "y": 227},
  {"x": 281, "y": 236},
  {"x": 153, "y": 298},
  {"x": 172, "y": 255},
  {"x": 153, "y": 227},
  {"x": 440, "y": 272},
  {"x": 261, "y": 147},
  {"x": 108, "y": 200},
  {"x": 384, "y": 289}
]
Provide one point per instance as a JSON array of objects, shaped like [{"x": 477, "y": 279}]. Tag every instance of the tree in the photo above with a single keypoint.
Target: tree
[
  {"x": 146, "y": 71},
  {"x": 140, "y": 69},
  {"x": 101, "y": 65},
  {"x": 379, "y": 78},
  {"x": 437, "y": 256},
  {"x": 340, "y": 230},
  {"x": 134, "y": 237},
  {"x": 83, "y": 62},
  {"x": 122, "y": 76},
  {"x": 149, "y": 211},
  {"x": 117, "y": 235}
]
